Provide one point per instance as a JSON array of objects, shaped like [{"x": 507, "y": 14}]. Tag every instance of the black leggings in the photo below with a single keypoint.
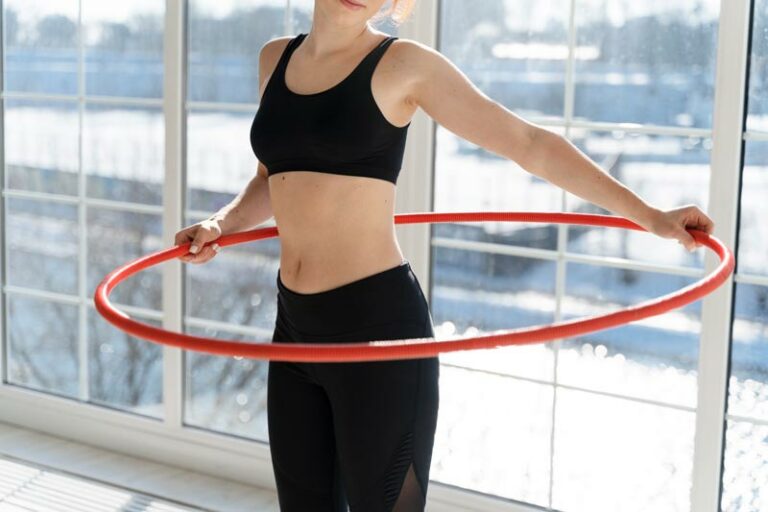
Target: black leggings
[{"x": 357, "y": 434}]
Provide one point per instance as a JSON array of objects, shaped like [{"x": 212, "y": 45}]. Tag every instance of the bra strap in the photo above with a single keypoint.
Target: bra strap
[
  {"x": 374, "y": 56},
  {"x": 287, "y": 52}
]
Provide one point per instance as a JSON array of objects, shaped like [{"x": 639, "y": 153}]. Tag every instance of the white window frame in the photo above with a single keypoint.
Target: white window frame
[{"x": 169, "y": 441}]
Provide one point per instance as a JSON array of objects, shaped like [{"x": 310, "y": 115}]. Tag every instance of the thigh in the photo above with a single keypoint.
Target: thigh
[
  {"x": 302, "y": 442},
  {"x": 385, "y": 416}
]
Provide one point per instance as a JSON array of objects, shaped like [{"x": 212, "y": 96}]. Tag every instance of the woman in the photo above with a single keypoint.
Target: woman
[{"x": 329, "y": 136}]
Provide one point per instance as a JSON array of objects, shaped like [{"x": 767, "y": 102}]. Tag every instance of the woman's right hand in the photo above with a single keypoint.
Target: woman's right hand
[{"x": 199, "y": 234}]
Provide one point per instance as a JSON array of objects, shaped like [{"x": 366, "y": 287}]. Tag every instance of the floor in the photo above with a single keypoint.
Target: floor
[{"x": 43, "y": 473}]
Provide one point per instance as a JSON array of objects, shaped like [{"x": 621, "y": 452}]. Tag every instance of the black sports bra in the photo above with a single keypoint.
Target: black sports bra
[{"x": 337, "y": 131}]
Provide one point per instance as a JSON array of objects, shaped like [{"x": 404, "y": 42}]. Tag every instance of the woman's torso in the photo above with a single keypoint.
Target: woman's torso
[{"x": 335, "y": 228}]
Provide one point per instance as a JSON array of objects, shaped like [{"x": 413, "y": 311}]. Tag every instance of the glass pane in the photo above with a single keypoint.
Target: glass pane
[
  {"x": 124, "y": 153},
  {"x": 654, "y": 358},
  {"x": 748, "y": 386},
  {"x": 42, "y": 352},
  {"x": 226, "y": 394},
  {"x": 468, "y": 178},
  {"x": 753, "y": 230},
  {"x": 116, "y": 238},
  {"x": 224, "y": 42},
  {"x": 646, "y": 62},
  {"x": 40, "y": 43},
  {"x": 41, "y": 149},
  {"x": 125, "y": 372},
  {"x": 220, "y": 161},
  {"x": 513, "y": 51},
  {"x": 477, "y": 293},
  {"x": 123, "y": 48},
  {"x": 237, "y": 286},
  {"x": 613, "y": 454},
  {"x": 746, "y": 468},
  {"x": 757, "y": 118},
  {"x": 493, "y": 435},
  {"x": 42, "y": 245},
  {"x": 666, "y": 172}
]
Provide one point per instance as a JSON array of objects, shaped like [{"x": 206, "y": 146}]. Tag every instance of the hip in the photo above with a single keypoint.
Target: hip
[{"x": 390, "y": 303}]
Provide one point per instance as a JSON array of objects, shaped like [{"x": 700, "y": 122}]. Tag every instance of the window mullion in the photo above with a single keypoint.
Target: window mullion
[
  {"x": 82, "y": 212},
  {"x": 3, "y": 262},
  {"x": 716, "y": 313},
  {"x": 416, "y": 183},
  {"x": 173, "y": 202}
]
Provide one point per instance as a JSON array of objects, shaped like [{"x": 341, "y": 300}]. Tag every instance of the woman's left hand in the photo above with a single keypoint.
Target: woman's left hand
[{"x": 674, "y": 222}]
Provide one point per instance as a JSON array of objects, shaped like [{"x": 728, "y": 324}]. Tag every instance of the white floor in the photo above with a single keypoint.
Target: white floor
[
  {"x": 44, "y": 473},
  {"x": 39, "y": 472},
  {"x": 28, "y": 487}
]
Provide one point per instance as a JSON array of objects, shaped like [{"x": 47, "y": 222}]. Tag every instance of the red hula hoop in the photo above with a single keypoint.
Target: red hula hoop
[{"x": 415, "y": 347}]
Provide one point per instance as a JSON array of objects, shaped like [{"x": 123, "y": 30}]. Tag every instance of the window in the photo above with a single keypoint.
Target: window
[
  {"x": 746, "y": 452},
  {"x": 606, "y": 420},
  {"x": 83, "y": 151}
]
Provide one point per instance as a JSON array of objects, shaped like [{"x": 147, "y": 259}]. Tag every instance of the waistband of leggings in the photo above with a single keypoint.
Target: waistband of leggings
[
  {"x": 392, "y": 297},
  {"x": 365, "y": 282}
]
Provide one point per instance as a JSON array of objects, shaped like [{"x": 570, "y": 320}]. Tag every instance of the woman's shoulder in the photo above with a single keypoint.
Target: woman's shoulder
[
  {"x": 270, "y": 51},
  {"x": 415, "y": 54},
  {"x": 275, "y": 46},
  {"x": 415, "y": 60}
]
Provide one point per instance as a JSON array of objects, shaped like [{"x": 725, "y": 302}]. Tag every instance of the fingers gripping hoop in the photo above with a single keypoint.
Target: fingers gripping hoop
[{"x": 413, "y": 348}]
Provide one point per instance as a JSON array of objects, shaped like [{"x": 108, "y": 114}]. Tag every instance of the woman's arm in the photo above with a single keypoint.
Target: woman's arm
[
  {"x": 452, "y": 100},
  {"x": 251, "y": 207},
  {"x": 555, "y": 159}
]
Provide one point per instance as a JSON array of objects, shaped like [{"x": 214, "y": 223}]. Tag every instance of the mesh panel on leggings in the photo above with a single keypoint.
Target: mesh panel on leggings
[{"x": 402, "y": 492}]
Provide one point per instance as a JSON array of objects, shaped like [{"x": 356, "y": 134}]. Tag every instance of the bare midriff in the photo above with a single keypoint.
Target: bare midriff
[{"x": 334, "y": 229}]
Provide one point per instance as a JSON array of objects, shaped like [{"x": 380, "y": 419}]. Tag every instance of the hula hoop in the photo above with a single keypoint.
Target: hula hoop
[{"x": 412, "y": 348}]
